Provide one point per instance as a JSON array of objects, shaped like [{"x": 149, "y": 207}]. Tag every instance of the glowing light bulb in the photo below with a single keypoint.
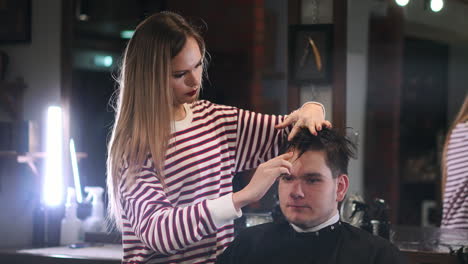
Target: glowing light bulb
[
  {"x": 126, "y": 34},
  {"x": 103, "y": 61},
  {"x": 402, "y": 2},
  {"x": 76, "y": 175},
  {"x": 437, "y": 5},
  {"x": 53, "y": 178}
]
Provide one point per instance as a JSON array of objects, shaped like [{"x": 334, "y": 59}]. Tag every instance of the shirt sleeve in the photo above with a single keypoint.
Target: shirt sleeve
[
  {"x": 257, "y": 139},
  {"x": 229, "y": 255},
  {"x": 239, "y": 251},
  {"x": 164, "y": 228},
  {"x": 222, "y": 210}
]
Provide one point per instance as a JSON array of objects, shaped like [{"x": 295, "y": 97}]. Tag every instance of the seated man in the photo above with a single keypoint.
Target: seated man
[{"x": 309, "y": 198}]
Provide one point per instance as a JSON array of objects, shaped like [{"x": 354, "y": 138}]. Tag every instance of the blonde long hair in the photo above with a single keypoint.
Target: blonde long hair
[
  {"x": 462, "y": 117},
  {"x": 145, "y": 103}
]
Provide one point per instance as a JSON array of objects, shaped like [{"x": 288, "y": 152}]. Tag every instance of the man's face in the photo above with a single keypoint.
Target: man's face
[{"x": 310, "y": 195}]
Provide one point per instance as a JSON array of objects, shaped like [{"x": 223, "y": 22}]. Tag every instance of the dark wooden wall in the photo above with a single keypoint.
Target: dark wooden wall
[{"x": 381, "y": 166}]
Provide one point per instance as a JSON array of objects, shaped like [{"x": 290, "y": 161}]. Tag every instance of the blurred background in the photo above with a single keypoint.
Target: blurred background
[{"x": 390, "y": 73}]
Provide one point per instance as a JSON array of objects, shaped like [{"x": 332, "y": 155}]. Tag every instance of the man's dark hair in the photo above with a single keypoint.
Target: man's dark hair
[{"x": 337, "y": 148}]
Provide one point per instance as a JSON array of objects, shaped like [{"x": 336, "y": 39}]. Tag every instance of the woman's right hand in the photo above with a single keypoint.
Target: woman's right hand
[{"x": 263, "y": 178}]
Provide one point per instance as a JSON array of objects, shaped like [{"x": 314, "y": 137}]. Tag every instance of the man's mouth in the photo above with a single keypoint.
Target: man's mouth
[{"x": 296, "y": 206}]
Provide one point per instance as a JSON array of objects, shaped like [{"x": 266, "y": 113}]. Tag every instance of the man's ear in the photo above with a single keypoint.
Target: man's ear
[{"x": 342, "y": 184}]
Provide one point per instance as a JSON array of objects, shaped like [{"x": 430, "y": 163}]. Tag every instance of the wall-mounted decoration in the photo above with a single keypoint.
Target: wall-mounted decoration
[
  {"x": 15, "y": 21},
  {"x": 310, "y": 53}
]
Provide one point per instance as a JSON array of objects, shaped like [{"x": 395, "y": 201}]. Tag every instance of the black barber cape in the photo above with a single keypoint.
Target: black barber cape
[{"x": 280, "y": 243}]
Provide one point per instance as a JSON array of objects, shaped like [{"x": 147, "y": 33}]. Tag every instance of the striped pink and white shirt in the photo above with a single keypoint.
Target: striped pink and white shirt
[
  {"x": 192, "y": 220},
  {"x": 455, "y": 206}
]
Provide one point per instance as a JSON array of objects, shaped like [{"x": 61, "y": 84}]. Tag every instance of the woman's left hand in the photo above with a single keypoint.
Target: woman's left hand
[{"x": 310, "y": 116}]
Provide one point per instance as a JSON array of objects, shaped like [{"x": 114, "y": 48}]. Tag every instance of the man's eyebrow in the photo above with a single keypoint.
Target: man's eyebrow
[{"x": 312, "y": 175}]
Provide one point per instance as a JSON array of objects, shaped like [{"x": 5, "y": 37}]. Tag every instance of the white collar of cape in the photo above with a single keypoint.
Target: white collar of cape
[{"x": 334, "y": 219}]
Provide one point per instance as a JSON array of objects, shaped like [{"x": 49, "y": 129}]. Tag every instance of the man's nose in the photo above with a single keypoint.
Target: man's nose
[
  {"x": 192, "y": 80},
  {"x": 296, "y": 191}
]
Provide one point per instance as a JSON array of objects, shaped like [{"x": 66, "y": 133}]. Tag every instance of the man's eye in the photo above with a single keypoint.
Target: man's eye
[
  {"x": 312, "y": 180},
  {"x": 286, "y": 177}
]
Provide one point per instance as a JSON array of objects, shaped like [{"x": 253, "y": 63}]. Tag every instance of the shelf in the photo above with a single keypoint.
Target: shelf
[
  {"x": 6, "y": 154},
  {"x": 30, "y": 158}
]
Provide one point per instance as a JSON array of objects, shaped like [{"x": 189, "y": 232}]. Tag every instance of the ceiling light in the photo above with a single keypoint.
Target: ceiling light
[
  {"x": 103, "y": 60},
  {"x": 437, "y": 5},
  {"x": 126, "y": 34},
  {"x": 402, "y": 2}
]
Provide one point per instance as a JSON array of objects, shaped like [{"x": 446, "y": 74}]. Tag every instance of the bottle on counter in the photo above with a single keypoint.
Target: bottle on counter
[
  {"x": 95, "y": 222},
  {"x": 71, "y": 226}
]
